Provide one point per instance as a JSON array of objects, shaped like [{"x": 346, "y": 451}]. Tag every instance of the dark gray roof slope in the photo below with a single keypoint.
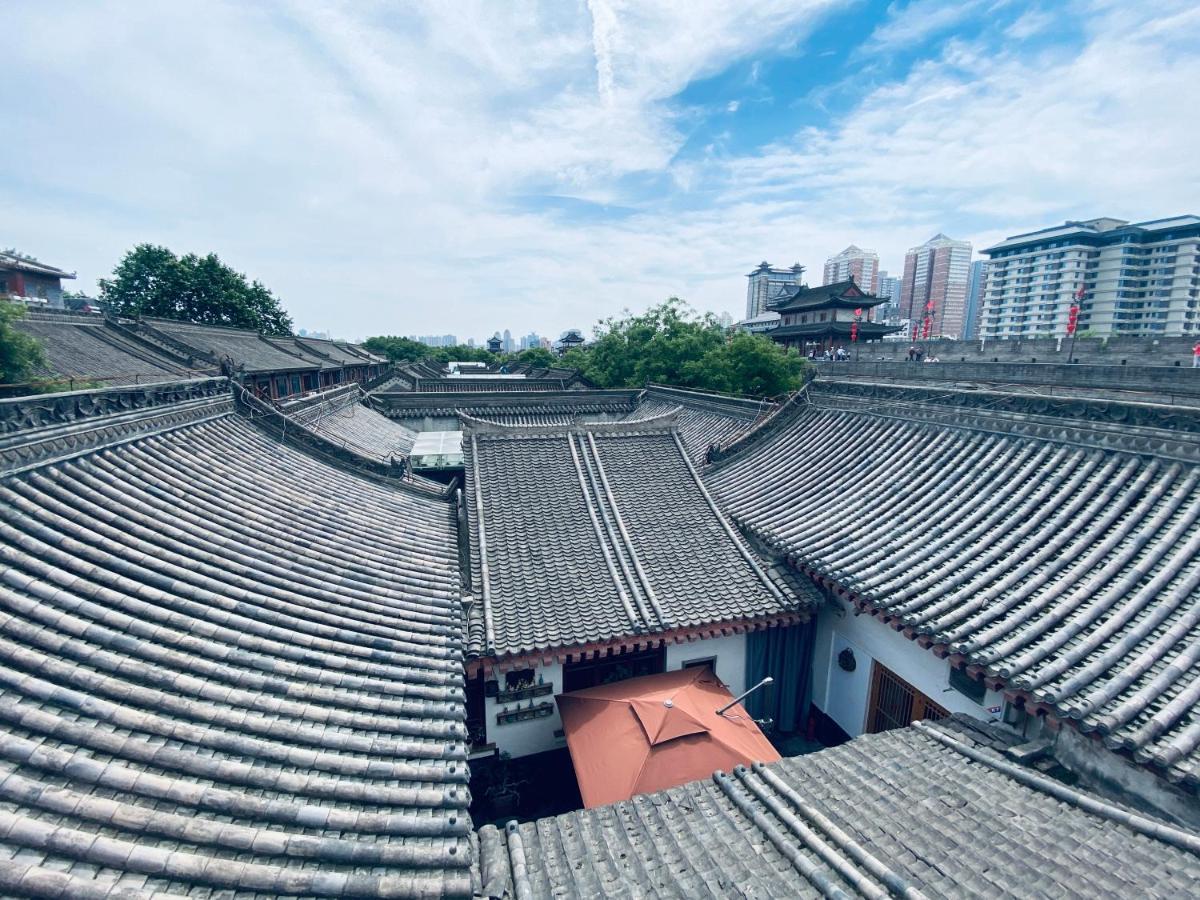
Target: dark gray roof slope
[
  {"x": 339, "y": 416},
  {"x": 1053, "y": 544},
  {"x": 596, "y": 532},
  {"x": 926, "y": 811},
  {"x": 534, "y": 416},
  {"x": 246, "y": 348},
  {"x": 85, "y": 347},
  {"x": 703, "y": 419},
  {"x": 590, "y": 404},
  {"x": 224, "y": 665},
  {"x": 485, "y": 385}
]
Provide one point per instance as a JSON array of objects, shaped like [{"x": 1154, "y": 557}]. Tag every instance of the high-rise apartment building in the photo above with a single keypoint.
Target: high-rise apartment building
[
  {"x": 1138, "y": 278},
  {"x": 975, "y": 285},
  {"x": 889, "y": 288},
  {"x": 854, "y": 262},
  {"x": 889, "y": 293},
  {"x": 934, "y": 286},
  {"x": 766, "y": 284}
]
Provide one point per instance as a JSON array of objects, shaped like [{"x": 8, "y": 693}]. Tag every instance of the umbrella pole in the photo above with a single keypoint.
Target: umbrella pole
[{"x": 745, "y": 693}]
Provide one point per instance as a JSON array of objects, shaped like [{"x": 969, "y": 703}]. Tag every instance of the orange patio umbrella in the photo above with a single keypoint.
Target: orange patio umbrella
[{"x": 655, "y": 732}]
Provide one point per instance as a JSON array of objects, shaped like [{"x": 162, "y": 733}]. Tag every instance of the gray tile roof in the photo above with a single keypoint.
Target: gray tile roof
[
  {"x": 339, "y": 352},
  {"x": 703, "y": 419},
  {"x": 1053, "y": 545},
  {"x": 339, "y": 416},
  {"x": 534, "y": 416},
  {"x": 589, "y": 405},
  {"x": 596, "y": 532},
  {"x": 246, "y": 348},
  {"x": 294, "y": 347},
  {"x": 485, "y": 385},
  {"x": 87, "y": 348},
  {"x": 224, "y": 664},
  {"x": 928, "y": 811}
]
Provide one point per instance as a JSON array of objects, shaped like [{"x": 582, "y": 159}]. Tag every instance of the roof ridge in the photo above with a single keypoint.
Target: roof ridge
[
  {"x": 485, "y": 588},
  {"x": 663, "y": 621},
  {"x": 1143, "y": 825},
  {"x": 638, "y": 617},
  {"x": 661, "y": 422}
]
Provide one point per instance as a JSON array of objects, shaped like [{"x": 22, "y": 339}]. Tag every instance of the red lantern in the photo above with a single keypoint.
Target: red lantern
[
  {"x": 1072, "y": 318},
  {"x": 854, "y": 332}
]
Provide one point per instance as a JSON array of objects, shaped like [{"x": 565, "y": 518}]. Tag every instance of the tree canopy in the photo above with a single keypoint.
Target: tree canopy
[
  {"x": 668, "y": 344},
  {"x": 20, "y": 355},
  {"x": 672, "y": 344},
  {"x": 153, "y": 281},
  {"x": 537, "y": 356},
  {"x": 402, "y": 349}
]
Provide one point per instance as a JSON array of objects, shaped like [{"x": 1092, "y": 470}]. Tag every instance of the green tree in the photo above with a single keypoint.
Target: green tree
[
  {"x": 396, "y": 349},
  {"x": 153, "y": 281},
  {"x": 749, "y": 364},
  {"x": 652, "y": 346},
  {"x": 20, "y": 354},
  {"x": 672, "y": 344},
  {"x": 537, "y": 356},
  {"x": 402, "y": 349}
]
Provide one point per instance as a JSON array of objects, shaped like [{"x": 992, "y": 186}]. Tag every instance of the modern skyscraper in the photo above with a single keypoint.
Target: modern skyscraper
[
  {"x": 933, "y": 291},
  {"x": 508, "y": 341},
  {"x": 975, "y": 285},
  {"x": 1139, "y": 278},
  {"x": 854, "y": 262},
  {"x": 889, "y": 288},
  {"x": 889, "y": 292},
  {"x": 767, "y": 283}
]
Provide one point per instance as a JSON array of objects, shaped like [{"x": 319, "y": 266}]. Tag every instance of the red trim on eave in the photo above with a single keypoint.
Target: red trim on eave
[{"x": 630, "y": 643}]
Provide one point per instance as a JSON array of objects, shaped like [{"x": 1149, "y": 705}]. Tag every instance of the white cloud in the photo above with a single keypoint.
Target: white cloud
[
  {"x": 1031, "y": 22},
  {"x": 910, "y": 23},
  {"x": 732, "y": 106},
  {"x": 365, "y": 161}
]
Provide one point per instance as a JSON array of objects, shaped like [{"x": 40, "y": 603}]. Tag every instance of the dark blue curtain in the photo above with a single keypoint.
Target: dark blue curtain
[{"x": 786, "y": 655}]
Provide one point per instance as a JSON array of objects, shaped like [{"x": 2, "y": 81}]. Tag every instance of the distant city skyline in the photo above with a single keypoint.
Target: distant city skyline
[{"x": 630, "y": 155}]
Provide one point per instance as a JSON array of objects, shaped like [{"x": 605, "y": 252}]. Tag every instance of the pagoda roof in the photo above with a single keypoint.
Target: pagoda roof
[
  {"x": 19, "y": 263},
  {"x": 867, "y": 331},
  {"x": 841, "y": 294}
]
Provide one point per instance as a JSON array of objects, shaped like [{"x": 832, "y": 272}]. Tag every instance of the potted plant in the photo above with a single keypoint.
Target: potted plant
[{"x": 503, "y": 793}]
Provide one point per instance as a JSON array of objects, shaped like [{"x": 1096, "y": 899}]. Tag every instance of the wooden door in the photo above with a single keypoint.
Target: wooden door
[{"x": 895, "y": 703}]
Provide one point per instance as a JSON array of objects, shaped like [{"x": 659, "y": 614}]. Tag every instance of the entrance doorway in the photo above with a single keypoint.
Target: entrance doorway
[{"x": 895, "y": 703}]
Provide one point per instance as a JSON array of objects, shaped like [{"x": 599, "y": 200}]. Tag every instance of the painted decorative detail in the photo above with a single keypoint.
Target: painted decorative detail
[
  {"x": 537, "y": 690},
  {"x": 540, "y": 711}
]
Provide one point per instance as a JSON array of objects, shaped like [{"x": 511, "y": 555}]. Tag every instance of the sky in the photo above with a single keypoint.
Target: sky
[{"x": 465, "y": 167}]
